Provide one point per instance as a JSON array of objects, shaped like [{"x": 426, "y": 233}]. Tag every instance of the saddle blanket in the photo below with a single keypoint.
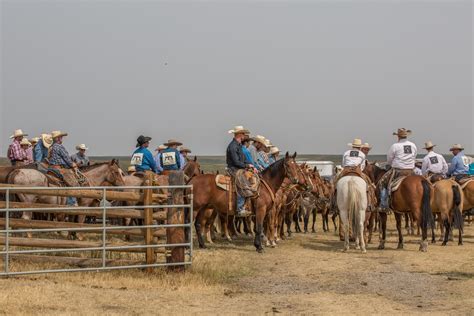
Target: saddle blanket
[
  {"x": 395, "y": 184},
  {"x": 223, "y": 182}
]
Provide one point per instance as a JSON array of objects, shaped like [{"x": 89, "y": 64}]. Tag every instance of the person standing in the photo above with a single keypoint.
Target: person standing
[{"x": 15, "y": 153}]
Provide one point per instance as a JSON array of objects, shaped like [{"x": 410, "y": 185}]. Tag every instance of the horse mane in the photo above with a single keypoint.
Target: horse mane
[
  {"x": 92, "y": 166},
  {"x": 274, "y": 168}
]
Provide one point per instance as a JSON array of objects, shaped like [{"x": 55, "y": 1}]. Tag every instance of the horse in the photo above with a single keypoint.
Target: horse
[
  {"x": 208, "y": 195},
  {"x": 192, "y": 169},
  {"x": 352, "y": 204},
  {"x": 448, "y": 203},
  {"x": 414, "y": 196}
]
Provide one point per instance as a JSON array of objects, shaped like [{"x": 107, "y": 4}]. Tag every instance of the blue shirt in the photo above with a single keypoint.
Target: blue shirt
[
  {"x": 157, "y": 159},
  {"x": 170, "y": 159},
  {"x": 143, "y": 160},
  {"x": 459, "y": 165},
  {"x": 248, "y": 156},
  {"x": 262, "y": 160},
  {"x": 271, "y": 160},
  {"x": 40, "y": 152},
  {"x": 182, "y": 161}
]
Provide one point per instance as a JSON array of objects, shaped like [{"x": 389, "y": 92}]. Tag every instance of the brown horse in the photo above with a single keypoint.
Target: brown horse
[
  {"x": 192, "y": 169},
  {"x": 208, "y": 195},
  {"x": 414, "y": 196}
]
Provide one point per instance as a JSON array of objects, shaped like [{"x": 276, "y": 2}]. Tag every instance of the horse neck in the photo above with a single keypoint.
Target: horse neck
[
  {"x": 274, "y": 181},
  {"x": 97, "y": 175}
]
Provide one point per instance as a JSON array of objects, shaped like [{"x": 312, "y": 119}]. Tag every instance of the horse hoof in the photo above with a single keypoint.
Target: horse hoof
[
  {"x": 381, "y": 247},
  {"x": 357, "y": 247},
  {"x": 460, "y": 243},
  {"x": 364, "y": 250},
  {"x": 400, "y": 246},
  {"x": 433, "y": 241},
  {"x": 260, "y": 250},
  {"x": 444, "y": 243}
]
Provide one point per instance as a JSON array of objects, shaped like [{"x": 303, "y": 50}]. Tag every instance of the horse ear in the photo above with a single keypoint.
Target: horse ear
[
  {"x": 294, "y": 155},
  {"x": 315, "y": 169},
  {"x": 287, "y": 155},
  {"x": 195, "y": 158}
]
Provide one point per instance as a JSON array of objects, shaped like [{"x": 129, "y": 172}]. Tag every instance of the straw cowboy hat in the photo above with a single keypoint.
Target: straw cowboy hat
[
  {"x": 268, "y": 143},
  {"x": 161, "y": 147},
  {"x": 131, "y": 169},
  {"x": 429, "y": 145},
  {"x": 239, "y": 129},
  {"x": 456, "y": 147},
  {"x": 366, "y": 145},
  {"x": 18, "y": 133},
  {"x": 81, "y": 147},
  {"x": 259, "y": 139},
  {"x": 142, "y": 140},
  {"x": 183, "y": 149},
  {"x": 56, "y": 134},
  {"x": 172, "y": 142},
  {"x": 34, "y": 140},
  {"x": 47, "y": 140},
  {"x": 274, "y": 150},
  {"x": 357, "y": 143},
  {"x": 25, "y": 141},
  {"x": 402, "y": 132}
]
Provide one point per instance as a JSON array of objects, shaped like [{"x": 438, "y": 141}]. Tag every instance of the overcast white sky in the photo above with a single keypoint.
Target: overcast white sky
[{"x": 309, "y": 75}]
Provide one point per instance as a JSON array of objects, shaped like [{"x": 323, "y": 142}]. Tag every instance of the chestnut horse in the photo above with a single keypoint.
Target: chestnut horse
[
  {"x": 414, "y": 196},
  {"x": 207, "y": 195}
]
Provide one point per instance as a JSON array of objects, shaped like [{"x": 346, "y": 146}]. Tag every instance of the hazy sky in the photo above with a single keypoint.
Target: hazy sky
[{"x": 309, "y": 75}]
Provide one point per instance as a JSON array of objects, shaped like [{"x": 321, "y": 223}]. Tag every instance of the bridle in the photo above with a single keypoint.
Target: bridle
[{"x": 288, "y": 174}]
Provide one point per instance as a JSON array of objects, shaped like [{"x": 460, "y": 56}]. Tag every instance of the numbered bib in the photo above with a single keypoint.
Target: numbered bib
[
  {"x": 407, "y": 149},
  {"x": 137, "y": 159},
  {"x": 354, "y": 153},
  {"x": 169, "y": 159},
  {"x": 434, "y": 160}
]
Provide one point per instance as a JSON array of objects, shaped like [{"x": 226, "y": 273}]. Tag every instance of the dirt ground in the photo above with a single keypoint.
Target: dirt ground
[{"x": 305, "y": 275}]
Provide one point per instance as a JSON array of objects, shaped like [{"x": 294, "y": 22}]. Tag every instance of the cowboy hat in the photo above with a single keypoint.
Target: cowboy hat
[
  {"x": 161, "y": 147},
  {"x": 259, "y": 139},
  {"x": 268, "y": 143},
  {"x": 428, "y": 145},
  {"x": 184, "y": 149},
  {"x": 47, "y": 140},
  {"x": 456, "y": 147},
  {"x": 357, "y": 143},
  {"x": 56, "y": 134},
  {"x": 34, "y": 140},
  {"x": 18, "y": 133},
  {"x": 239, "y": 129},
  {"x": 274, "y": 150},
  {"x": 142, "y": 140},
  {"x": 131, "y": 169},
  {"x": 25, "y": 141},
  {"x": 366, "y": 145},
  {"x": 81, "y": 147},
  {"x": 402, "y": 132},
  {"x": 172, "y": 142}
]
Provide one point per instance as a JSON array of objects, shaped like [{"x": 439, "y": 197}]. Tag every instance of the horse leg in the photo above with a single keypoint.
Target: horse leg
[
  {"x": 288, "y": 224},
  {"x": 362, "y": 226},
  {"x": 296, "y": 219},
  {"x": 447, "y": 227},
  {"x": 315, "y": 214},
  {"x": 383, "y": 229},
  {"x": 398, "y": 218},
  {"x": 259, "y": 217},
  {"x": 307, "y": 213},
  {"x": 333, "y": 217},
  {"x": 198, "y": 226},
  {"x": 344, "y": 224},
  {"x": 370, "y": 228}
]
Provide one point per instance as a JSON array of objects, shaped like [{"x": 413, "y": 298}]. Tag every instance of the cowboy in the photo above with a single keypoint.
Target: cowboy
[
  {"x": 142, "y": 158},
  {"x": 366, "y": 147},
  {"x": 433, "y": 163},
  {"x": 246, "y": 151},
  {"x": 26, "y": 147},
  {"x": 418, "y": 166},
  {"x": 80, "y": 157},
  {"x": 236, "y": 160},
  {"x": 274, "y": 153},
  {"x": 354, "y": 157},
  {"x": 34, "y": 141},
  {"x": 15, "y": 152},
  {"x": 253, "y": 151},
  {"x": 170, "y": 157},
  {"x": 401, "y": 157},
  {"x": 183, "y": 156},
  {"x": 459, "y": 167},
  {"x": 262, "y": 158},
  {"x": 157, "y": 157},
  {"x": 42, "y": 147}
]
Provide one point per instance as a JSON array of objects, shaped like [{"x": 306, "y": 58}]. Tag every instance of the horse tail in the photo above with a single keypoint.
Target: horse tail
[
  {"x": 427, "y": 220},
  {"x": 458, "y": 221},
  {"x": 354, "y": 206}
]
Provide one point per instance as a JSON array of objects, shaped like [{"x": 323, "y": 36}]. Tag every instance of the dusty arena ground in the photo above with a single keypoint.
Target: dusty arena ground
[{"x": 305, "y": 275}]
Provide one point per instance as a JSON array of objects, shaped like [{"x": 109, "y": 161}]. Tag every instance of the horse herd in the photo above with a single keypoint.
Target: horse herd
[{"x": 288, "y": 194}]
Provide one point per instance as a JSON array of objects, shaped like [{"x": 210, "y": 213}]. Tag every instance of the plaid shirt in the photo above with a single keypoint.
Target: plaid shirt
[
  {"x": 59, "y": 156},
  {"x": 16, "y": 153}
]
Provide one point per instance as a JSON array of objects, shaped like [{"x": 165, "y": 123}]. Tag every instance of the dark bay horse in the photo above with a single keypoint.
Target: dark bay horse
[
  {"x": 414, "y": 196},
  {"x": 207, "y": 195}
]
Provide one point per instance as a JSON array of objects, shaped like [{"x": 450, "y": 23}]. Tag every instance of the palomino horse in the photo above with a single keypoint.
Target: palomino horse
[
  {"x": 414, "y": 197},
  {"x": 468, "y": 190},
  {"x": 95, "y": 174},
  {"x": 208, "y": 196},
  {"x": 448, "y": 203},
  {"x": 352, "y": 204}
]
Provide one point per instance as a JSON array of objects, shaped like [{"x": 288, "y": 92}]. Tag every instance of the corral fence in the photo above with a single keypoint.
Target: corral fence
[{"x": 161, "y": 234}]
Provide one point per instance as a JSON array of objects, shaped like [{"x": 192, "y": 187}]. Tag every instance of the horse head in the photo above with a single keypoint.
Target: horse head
[
  {"x": 114, "y": 174},
  {"x": 292, "y": 170},
  {"x": 192, "y": 168}
]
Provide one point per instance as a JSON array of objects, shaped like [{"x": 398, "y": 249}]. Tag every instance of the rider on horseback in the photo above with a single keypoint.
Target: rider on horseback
[
  {"x": 236, "y": 160},
  {"x": 142, "y": 158},
  {"x": 459, "y": 167},
  {"x": 401, "y": 157},
  {"x": 170, "y": 157},
  {"x": 433, "y": 163}
]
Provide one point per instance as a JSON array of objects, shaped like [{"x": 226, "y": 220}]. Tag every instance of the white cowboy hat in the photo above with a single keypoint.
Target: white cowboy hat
[
  {"x": 131, "y": 169},
  {"x": 428, "y": 145},
  {"x": 274, "y": 150},
  {"x": 25, "y": 141},
  {"x": 18, "y": 133},
  {"x": 34, "y": 140},
  {"x": 259, "y": 138},
  {"x": 239, "y": 129},
  {"x": 366, "y": 145},
  {"x": 268, "y": 143},
  {"x": 184, "y": 149},
  {"x": 81, "y": 146},
  {"x": 161, "y": 147},
  {"x": 402, "y": 132},
  {"x": 172, "y": 142},
  {"x": 56, "y": 134},
  {"x": 357, "y": 143},
  {"x": 47, "y": 140},
  {"x": 456, "y": 147}
]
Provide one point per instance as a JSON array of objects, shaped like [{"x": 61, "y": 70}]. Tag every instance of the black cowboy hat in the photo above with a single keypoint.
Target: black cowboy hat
[{"x": 142, "y": 140}]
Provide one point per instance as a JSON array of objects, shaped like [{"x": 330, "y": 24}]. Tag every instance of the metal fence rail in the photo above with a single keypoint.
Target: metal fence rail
[{"x": 8, "y": 241}]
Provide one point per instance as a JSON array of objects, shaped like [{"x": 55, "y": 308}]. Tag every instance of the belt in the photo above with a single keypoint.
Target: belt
[{"x": 56, "y": 166}]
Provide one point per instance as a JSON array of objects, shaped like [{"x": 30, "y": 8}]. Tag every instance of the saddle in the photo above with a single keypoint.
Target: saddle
[
  {"x": 464, "y": 181},
  {"x": 223, "y": 182},
  {"x": 243, "y": 181},
  {"x": 351, "y": 171},
  {"x": 65, "y": 177}
]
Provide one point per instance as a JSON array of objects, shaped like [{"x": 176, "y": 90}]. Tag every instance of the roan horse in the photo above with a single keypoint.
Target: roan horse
[
  {"x": 414, "y": 196},
  {"x": 207, "y": 195}
]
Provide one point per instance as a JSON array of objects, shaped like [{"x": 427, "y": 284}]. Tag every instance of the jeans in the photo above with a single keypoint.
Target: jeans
[
  {"x": 240, "y": 202},
  {"x": 71, "y": 201},
  {"x": 384, "y": 198}
]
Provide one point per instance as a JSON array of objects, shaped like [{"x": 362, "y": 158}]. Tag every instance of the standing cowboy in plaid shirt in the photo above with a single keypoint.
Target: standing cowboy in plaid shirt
[{"x": 15, "y": 152}]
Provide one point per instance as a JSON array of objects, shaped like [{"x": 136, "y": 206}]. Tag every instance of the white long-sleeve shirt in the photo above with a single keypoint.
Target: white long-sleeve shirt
[
  {"x": 353, "y": 158},
  {"x": 402, "y": 155},
  {"x": 434, "y": 163}
]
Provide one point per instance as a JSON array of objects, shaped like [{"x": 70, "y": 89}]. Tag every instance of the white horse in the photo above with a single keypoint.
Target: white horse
[{"x": 352, "y": 204}]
